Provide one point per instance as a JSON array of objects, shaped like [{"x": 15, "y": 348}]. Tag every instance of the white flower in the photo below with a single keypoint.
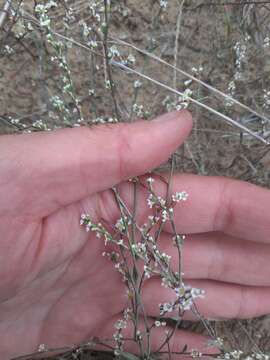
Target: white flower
[
  {"x": 137, "y": 84},
  {"x": 42, "y": 347},
  {"x": 93, "y": 44},
  {"x": 266, "y": 42},
  {"x": 186, "y": 295},
  {"x": 120, "y": 324},
  {"x": 163, "y": 4},
  {"x": 164, "y": 216},
  {"x": 180, "y": 196},
  {"x": 131, "y": 59},
  {"x": 150, "y": 180},
  {"x": 120, "y": 225},
  {"x": 195, "y": 353},
  {"x": 117, "y": 336},
  {"x": 151, "y": 201},
  {"x": 114, "y": 52},
  {"x": 166, "y": 307}
]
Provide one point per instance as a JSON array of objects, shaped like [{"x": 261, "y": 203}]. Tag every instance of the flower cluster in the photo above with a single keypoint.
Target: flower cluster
[
  {"x": 266, "y": 99},
  {"x": 185, "y": 296},
  {"x": 163, "y": 4},
  {"x": 141, "y": 243},
  {"x": 180, "y": 196},
  {"x": 182, "y": 102},
  {"x": 241, "y": 53},
  {"x": 98, "y": 229}
]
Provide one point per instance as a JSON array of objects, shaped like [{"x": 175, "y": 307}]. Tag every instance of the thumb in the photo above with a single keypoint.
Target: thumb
[{"x": 42, "y": 172}]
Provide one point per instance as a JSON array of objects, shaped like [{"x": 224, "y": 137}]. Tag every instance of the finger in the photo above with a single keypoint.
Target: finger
[
  {"x": 43, "y": 171},
  {"x": 158, "y": 335},
  {"x": 217, "y": 256},
  {"x": 221, "y": 301},
  {"x": 234, "y": 207}
]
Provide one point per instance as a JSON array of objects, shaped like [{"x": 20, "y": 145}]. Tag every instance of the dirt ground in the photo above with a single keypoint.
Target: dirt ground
[{"x": 206, "y": 39}]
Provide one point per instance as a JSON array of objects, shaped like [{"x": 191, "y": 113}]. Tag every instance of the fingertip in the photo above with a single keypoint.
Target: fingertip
[
  {"x": 185, "y": 121},
  {"x": 186, "y": 117},
  {"x": 178, "y": 121},
  {"x": 182, "y": 115}
]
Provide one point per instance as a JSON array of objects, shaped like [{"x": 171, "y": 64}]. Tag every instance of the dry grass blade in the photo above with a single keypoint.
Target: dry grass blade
[
  {"x": 210, "y": 109},
  {"x": 225, "y": 117},
  {"x": 209, "y": 87},
  {"x": 4, "y": 12}
]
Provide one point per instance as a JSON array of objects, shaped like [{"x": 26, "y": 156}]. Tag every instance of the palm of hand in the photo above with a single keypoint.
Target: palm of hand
[{"x": 60, "y": 280}]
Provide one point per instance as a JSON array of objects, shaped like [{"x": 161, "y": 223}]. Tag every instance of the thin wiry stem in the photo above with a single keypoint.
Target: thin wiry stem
[
  {"x": 4, "y": 12},
  {"x": 250, "y": 338},
  {"x": 106, "y": 59},
  {"x": 209, "y": 87},
  {"x": 236, "y": 3},
  {"x": 176, "y": 43},
  {"x": 156, "y": 58},
  {"x": 225, "y": 117}
]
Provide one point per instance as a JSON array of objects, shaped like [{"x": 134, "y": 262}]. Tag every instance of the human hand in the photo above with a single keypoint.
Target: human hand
[{"x": 55, "y": 286}]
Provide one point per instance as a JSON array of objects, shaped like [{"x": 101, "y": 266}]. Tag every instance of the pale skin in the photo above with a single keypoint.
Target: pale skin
[{"x": 56, "y": 287}]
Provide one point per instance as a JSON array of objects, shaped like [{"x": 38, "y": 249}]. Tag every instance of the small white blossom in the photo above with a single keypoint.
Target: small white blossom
[
  {"x": 93, "y": 44},
  {"x": 164, "y": 216},
  {"x": 114, "y": 52},
  {"x": 120, "y": 324},
  {"x": 266, "y": 99},
  {"x": 120, "y": 224},
  {"x": 166, "y": 308},
  {"x": 42, "y": 347},
  {"x": 131, "y": 59},
  {"x": 266, "y": 42},
  {"x": 150, "y": 180},
  {"x": 151, "y": 201},
  {"x": 180, "y": 196},
  {"x": 195, "y": 354},
  {"x": 163, "y": 4},
  {"x": 186, "y": 295},
  {"x": 137, "y": 84}
]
